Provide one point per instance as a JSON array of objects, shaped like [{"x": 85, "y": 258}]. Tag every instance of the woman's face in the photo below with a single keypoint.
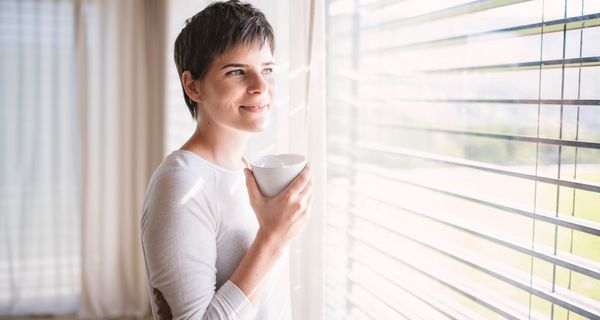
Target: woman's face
[{"x": 237, "y": 90}]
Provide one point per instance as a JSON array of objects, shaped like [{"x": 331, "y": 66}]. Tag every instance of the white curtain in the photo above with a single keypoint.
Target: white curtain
[
  {"x": 81, "y": 127},
  {"x": 39, "y": 159},
  {"x": 307, "y": 136},
  {"x": 121, "y": 52}
]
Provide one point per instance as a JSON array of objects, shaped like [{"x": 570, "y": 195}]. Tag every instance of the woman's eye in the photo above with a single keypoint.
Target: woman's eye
[
  {"x": 268, "y": 70},
  {"x": 235, "y": 72}
]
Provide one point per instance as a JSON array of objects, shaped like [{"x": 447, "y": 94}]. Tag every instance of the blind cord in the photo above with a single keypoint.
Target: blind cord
[
  {"x": 576, "y": 149},
  {"x": 537, "y": 155}
]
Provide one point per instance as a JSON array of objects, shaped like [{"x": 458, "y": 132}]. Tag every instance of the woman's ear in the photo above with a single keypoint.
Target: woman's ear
[{"x": 191, "y": 86}]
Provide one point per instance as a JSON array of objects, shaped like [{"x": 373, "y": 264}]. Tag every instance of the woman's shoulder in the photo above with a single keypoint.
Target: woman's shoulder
[
  {"x": 180, "y": 193},
  {"x": 178, "y": 184},
  {"x": 183, "y": 173},
  {"x": 181, "y": 167}
]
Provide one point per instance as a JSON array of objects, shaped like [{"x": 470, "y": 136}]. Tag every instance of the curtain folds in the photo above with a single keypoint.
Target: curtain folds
[{"x": 121, "y": 77}]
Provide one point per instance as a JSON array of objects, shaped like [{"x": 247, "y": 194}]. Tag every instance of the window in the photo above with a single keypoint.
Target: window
[
  {"x": 463, "y": 159},
  {"x": 39, "y": 169}
]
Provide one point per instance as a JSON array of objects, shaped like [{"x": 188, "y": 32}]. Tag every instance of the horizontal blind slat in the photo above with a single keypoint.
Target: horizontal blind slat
[
  {"x": 507, "y": 137},
  {"x": 453, "y": 311},
  {"x": 369, "y": 101},
  {"x": 580, "y": 265},
  {"x": 543, "y": 64},
  {"x": 443, "y": 278},
  {"x": 539, "y": 214},
  {"x": 435, "y": 301},
  {"x": 565, "y": 301},
  {"x": 558, "y": 25},
  {"x": 565, "y": 182},
  {"x": 467, "y": 8}
]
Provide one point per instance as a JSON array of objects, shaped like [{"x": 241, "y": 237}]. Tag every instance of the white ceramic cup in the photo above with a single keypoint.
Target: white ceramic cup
[{"x": 274, "y": 172}]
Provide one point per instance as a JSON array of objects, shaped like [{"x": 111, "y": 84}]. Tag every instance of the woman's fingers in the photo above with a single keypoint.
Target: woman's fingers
[
  {"x": 306, "y": 190},
  {"x": 310, "y": 200},
  {"x": 300, "y": 182}
]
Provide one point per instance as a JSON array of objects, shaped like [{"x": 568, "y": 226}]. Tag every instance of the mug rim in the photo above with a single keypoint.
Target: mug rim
[{"x": 299, "y": 159}]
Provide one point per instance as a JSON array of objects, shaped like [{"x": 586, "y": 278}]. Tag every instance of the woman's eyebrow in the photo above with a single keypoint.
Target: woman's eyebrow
[{"x": 240, "y": 65}]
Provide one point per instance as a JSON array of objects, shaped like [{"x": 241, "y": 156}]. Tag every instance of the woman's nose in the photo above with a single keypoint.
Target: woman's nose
[{"x": 258, "y": 84}]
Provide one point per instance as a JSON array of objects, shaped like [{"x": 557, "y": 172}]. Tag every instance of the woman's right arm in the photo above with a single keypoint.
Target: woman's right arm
[{"x": 280, "y": 219}]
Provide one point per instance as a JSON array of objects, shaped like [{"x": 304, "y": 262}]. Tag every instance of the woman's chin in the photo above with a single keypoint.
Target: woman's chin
[
  {"x": 260, "y": 125},
  {"x": 256, "y": 127}
]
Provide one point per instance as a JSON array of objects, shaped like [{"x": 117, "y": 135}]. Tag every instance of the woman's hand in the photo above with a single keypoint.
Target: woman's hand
[
  {"x": 283, "y": 216},
  {"x": 280, "y": 218}
]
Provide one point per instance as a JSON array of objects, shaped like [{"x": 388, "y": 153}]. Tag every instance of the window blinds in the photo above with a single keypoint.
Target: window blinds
[{"x": 463, "y": 159}]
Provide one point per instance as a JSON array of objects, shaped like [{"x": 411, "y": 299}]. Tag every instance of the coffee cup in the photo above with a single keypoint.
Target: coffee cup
[{"x": 274, "y": 172}]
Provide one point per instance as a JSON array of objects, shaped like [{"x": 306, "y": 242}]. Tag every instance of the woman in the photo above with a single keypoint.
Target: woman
[{"x": 214, "y": 247}]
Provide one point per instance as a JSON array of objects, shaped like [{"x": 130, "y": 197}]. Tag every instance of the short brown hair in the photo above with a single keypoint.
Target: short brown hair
[{"x": 213, "y": 30}]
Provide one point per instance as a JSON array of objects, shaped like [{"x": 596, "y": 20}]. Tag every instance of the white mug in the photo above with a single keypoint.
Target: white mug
[{"x": 274, "y": 172}]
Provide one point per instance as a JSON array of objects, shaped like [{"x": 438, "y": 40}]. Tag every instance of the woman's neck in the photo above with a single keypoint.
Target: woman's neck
[{"x": 219, "y": 145}]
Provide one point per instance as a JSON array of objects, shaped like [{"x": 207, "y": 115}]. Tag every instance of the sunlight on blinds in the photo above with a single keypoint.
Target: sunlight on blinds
[{"x": 463, "y": 159}]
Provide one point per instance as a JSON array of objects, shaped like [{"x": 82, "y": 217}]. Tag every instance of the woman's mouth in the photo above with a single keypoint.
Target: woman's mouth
[{"x": 254, "y": 108}]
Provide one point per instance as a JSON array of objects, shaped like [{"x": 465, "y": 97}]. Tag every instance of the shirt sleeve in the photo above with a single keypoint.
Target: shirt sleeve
[{"x": 179, "y": 241}]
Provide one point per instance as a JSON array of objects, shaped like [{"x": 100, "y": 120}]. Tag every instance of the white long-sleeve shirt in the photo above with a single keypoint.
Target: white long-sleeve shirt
[{"x": 197, "y": 225}]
